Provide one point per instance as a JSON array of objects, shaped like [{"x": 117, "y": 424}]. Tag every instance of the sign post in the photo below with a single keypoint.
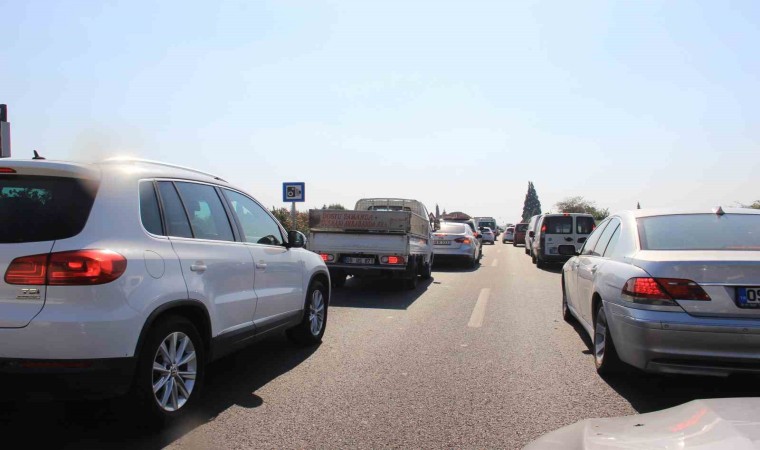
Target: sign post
[
  {"x": 293, "y": 192},
  {"x": 5, "y": 133}
]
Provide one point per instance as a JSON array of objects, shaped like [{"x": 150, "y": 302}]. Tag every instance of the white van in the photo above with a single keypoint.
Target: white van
[
  {"x": 557, "y": 230},
  {"x": 529, "y": 236}
]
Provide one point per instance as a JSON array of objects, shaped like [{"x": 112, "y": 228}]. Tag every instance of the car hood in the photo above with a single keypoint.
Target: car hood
[{"x": 730, "y": 423}]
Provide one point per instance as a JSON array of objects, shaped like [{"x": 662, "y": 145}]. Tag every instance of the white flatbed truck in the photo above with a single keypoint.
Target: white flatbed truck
[{"x": 380, "y": 237}]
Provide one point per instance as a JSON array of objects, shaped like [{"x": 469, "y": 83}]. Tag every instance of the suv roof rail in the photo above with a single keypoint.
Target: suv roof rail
[{"x": 160, "y": 163}]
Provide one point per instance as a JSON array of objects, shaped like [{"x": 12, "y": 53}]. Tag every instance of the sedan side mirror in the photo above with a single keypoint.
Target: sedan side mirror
[
  {"x": 532, "y": 234},
  {"x": 296, "y": 239}
]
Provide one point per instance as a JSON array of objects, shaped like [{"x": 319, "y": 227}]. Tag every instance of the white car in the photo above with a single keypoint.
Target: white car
[
  {"x": 134, "y": 271},
  {"x": 670, "y": 291},
  {"x": 488, "y": 235},
  {"x": 455, "y": 240},
  {"x": 509, "y": 235},
  {"x": 713, "y": 424}
]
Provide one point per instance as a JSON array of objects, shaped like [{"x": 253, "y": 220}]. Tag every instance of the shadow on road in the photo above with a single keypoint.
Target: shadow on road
[
  {"x": 652, "y": 392},
  {"x": 552, "y": 267},
  {"x": 454, "y": 266},
  {"x": 231, "y": 381},
  {"x": 377, "y": 293}
]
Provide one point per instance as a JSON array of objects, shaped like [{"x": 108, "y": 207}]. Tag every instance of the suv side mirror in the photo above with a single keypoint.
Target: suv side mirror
[
  {"x": 296, "y": 239},
  {"x": 532, "y": 234}
]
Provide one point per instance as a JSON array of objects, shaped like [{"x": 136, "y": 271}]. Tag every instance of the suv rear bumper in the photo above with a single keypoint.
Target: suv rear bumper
[{"x": 21, "y": 378}]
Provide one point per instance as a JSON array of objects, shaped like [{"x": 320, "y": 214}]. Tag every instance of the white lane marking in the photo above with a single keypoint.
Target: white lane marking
[
  {"x": 479, "y": 312},
  {"x": 495, "y": 263}
]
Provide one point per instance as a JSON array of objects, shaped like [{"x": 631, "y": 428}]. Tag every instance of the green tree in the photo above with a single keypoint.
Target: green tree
[
  {"x": 755, "y": 205},
  {"x": 579, "y": 204},
  {"x": 532, "y": 205},
  {"x": 283, "y": 216}
]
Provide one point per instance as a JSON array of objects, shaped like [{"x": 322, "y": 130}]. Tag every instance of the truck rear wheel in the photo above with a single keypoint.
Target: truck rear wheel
[{"x": 427, "y": 270}]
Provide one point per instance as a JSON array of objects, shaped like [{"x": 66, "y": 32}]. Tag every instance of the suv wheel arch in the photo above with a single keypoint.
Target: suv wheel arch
[{"x": 193, "y": 310}]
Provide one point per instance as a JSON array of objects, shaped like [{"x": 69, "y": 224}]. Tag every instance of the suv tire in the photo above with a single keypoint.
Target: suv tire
[
  {"x": 174, "y": 344},
  {"x": 312, "y": 326}
]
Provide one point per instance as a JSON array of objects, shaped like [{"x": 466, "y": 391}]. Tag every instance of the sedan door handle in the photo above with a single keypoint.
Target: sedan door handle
[
  {"x": 261, "y": 266},
  {"x": 198, "y": 267}
]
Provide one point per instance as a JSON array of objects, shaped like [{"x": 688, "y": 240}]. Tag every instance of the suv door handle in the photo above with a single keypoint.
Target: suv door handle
[
  {"x": 261, "y": 265},
  {"x": 198, "y": 267},
  {"x": 592, "y": 269}
]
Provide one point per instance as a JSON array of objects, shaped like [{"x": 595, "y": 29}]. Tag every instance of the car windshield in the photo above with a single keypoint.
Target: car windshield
[
  {"x": 700, "y": 232},
  {"x": 39, "y": 208}
]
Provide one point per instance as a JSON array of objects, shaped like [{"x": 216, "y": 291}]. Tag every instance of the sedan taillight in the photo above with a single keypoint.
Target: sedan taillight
[
  {"x": 662, "y": 291},
  {"x": 75, "y": 268},
  {"x": 462, "y": 240}
]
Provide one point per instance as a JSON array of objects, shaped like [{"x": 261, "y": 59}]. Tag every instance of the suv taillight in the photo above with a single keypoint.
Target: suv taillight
[
  {"x": 75, "y": 268},
  {"x": 662, "y": 291}
]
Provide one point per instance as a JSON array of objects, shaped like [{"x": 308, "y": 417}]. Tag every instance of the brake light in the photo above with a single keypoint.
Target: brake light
[
  {"x": 662, "y": 291},
  {"x": 7, "y": 170},
  {"x": 462, "y": 240},
  {"x": 327, "y": 257},
  {"x": 543, "y": 228},
  {"x": 681, "y": 289},
  {"x": 27, "y": 270},
  {"x": 392, "y": 260},
  {"x": 76, "y": 268}
]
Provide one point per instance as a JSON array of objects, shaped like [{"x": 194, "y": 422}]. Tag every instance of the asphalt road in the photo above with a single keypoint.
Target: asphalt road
[{"x": 474, "y": 358}]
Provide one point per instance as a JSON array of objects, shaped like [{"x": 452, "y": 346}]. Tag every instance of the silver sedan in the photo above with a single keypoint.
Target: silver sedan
[{"x": 669, "y": 291}]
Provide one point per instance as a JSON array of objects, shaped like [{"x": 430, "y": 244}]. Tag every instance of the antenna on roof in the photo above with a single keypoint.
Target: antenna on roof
[
  {"x": 719, "y": 211},
  {"x": 37, "y": 155}
]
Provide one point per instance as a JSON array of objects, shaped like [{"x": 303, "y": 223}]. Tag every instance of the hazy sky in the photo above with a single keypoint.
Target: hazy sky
[{"x": 454, "y": 103}]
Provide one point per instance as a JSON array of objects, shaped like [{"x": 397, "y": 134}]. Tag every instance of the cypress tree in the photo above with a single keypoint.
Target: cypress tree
[{"x": 532, "y": 205}]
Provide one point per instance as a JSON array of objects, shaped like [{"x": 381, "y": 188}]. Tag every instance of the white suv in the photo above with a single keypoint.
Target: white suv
[{"x": 137, "y": 274}]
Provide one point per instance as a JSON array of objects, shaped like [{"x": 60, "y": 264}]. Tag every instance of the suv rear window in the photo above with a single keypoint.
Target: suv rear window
[
  {"x": 584, "y": 224},
  {"x": 38, "y": 208},
  {"x": 700, "y": 232},
  {"x": 558, "y": 225}
]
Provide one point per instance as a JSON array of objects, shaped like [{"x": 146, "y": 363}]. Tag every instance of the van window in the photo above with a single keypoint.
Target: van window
[
  {"x": 558, "y": 225},
  {"x": 38, "y": 208},
  {"x": 584, "y": 224}
]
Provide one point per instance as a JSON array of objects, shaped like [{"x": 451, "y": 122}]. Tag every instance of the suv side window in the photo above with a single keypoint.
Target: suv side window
[
  {"x": 606, "y": 235},
  {"x": 174, "y": 213},
  {"x": 208, "y": 218},
  {"x": 149, "y": 211},
  {"x": 258, "y": 226},
  {"x": 588, "y": 247}
]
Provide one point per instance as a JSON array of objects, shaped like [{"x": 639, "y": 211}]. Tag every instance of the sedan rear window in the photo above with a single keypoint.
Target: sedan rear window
[
  {"x": 37, "y": 208},
  {"x": 453, "y": 228},
  {"x": 700, "y": 232}
]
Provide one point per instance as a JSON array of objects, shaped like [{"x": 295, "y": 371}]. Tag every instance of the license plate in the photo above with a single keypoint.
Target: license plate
[
  {"x": 441, "y": 242},
  {"x": 748, "y": 297},
  {"x": 352, "y": 260}
]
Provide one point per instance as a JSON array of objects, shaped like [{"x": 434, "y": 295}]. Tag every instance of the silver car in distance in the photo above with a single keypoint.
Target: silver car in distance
[{"x": 670, "y": 291}]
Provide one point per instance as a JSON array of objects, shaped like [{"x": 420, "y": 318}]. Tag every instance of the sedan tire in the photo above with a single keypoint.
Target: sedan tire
[
  {"x": 605, "y": 356},
  {"x": 566, "y": 314}
]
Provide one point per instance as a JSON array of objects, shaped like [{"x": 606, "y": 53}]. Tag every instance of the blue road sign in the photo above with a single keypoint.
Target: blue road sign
[{"x": 293, "y": 192}]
